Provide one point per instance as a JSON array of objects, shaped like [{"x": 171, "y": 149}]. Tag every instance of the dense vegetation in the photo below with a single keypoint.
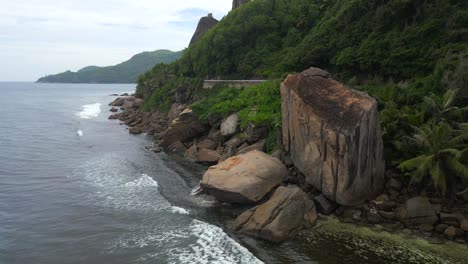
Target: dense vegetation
[
  {"x": 125, "y": 72},
  {"x": 407, "y": 53}
]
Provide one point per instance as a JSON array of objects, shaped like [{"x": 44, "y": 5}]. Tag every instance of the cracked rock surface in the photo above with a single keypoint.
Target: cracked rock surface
[{"x": 333, "y": 136}]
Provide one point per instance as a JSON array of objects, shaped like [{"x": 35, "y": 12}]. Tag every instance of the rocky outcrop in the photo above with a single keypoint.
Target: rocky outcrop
[
  {"x": 244, "y": 179},
  {"x": 237, "y": 3},
  {"x": 205, "y": 24},
  {"x": 255, "y": 133},
  {"x": 185, "y": 127},
  {"x": 287, "y": 212},
  {"x": 332, "y": 133}
]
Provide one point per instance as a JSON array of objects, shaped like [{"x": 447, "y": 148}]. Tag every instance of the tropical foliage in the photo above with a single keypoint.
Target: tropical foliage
[
  {"x": 259, "y": 104},
  {"x": 411, "y": 55},
  {"x": 443, "y": 156}
]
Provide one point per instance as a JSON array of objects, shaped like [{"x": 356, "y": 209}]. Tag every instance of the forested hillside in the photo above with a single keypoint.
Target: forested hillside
[
  {"x": 125, "y": 72},
  {"x": 411, "y": 55}
]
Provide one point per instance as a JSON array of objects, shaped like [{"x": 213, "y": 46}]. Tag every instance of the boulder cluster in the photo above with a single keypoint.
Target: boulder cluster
[{"x": 331, "y": 162}]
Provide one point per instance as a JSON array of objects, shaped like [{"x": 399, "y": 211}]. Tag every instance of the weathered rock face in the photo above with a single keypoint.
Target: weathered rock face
[
  {"x": 184, "y": 128},
  {"x": 237, "y": 3},
  {"x": 205, "y": 24},
  {"x": 244, "y": 179},
  {"x": 418, "y": 211},
  {"x": 255, "y": 133},
  {"x": 230, "y": 125},
  {"x": 333, "y": 136},
  {"x": 287, "y": 212}
]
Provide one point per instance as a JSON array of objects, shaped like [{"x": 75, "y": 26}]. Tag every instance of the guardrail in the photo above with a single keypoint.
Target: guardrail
[{"x": 208, "y": 84}]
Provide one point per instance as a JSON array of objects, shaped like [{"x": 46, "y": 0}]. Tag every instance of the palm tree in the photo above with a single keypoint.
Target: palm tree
[
  {"x": 445, "y": 109},
  {"x": 444, "y": 156}
]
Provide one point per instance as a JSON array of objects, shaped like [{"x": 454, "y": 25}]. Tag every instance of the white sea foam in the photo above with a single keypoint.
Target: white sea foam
[
  {"x": 179, "y": 210},
  {"x": 90, "y": 111},
  {"x": 143, "y": 181},
  {"x": 198, "y": 242},
  {"x": 117, "y": 185},
  {"x": 79, "y": 133},
  {"x": 212, "y": 246}
]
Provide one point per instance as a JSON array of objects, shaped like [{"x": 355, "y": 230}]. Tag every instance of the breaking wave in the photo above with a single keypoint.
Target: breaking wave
[{"x": 90, "y": 111}]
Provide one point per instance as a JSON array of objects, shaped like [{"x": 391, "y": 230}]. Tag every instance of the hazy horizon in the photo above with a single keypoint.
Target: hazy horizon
[{"x": 44, "y": 37}]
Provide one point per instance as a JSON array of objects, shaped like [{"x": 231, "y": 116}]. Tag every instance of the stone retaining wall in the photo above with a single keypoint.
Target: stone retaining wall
[{"x": 208, "y": 84}]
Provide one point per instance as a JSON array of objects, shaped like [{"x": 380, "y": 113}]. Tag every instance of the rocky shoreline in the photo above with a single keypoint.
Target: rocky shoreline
[{"x": 284, "y": 195}]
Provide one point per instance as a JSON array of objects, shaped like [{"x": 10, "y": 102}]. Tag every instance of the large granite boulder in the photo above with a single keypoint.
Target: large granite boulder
[
  {"x": 333, "y": 136},
  {"x": 287, "y": 212},
  {"x": 244, "y": 179},
  {"x": 204, "y": 25},
  {"x": 185, "y": 127}
]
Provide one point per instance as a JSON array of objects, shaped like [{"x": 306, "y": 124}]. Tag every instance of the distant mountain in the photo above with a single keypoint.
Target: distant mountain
[{"x": 125, "y": 72}]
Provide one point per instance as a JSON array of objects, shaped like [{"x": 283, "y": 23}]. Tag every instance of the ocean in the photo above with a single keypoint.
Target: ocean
[{"x": 76, "y": 187}]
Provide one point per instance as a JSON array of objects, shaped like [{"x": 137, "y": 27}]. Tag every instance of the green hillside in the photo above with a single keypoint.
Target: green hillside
[
  {"x": 125, "y": 72},
  {"x": 411, "y": 55}
]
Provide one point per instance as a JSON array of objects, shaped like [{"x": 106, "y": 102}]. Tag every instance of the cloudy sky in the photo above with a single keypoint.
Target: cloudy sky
[{"x": 39, "y": 37}]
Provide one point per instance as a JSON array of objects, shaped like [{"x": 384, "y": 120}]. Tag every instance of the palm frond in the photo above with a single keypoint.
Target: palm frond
[
  {"x": 457, "y": 168},
  {"x": 417, "y": 167},
  {"x": 431, "y": 105},
  {"x": 458, "y": 140},
  {"x": 449, "y": 97}
]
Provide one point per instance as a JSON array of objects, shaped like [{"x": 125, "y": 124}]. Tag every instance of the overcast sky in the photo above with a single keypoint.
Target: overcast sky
[{"x": 39, "y": 37}]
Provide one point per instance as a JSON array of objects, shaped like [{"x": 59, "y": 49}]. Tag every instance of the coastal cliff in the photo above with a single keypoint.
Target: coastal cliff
[
  {"x": 356, "y": 144},
  {"x": 205, "y": 24}
]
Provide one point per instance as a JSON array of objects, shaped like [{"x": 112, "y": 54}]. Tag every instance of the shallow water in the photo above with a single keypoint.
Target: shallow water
[{"x": 77, "y": 188}]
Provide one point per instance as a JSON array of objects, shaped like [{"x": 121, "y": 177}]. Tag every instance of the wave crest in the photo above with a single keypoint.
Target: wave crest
[{"x": 90, "y": 111}]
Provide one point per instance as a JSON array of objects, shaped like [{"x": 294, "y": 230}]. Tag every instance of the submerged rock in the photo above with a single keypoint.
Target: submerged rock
[
  {"x": 333, "y": 136},
  {"x": 244, "y": 179},
  {"x": 288, "y": 211}
]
